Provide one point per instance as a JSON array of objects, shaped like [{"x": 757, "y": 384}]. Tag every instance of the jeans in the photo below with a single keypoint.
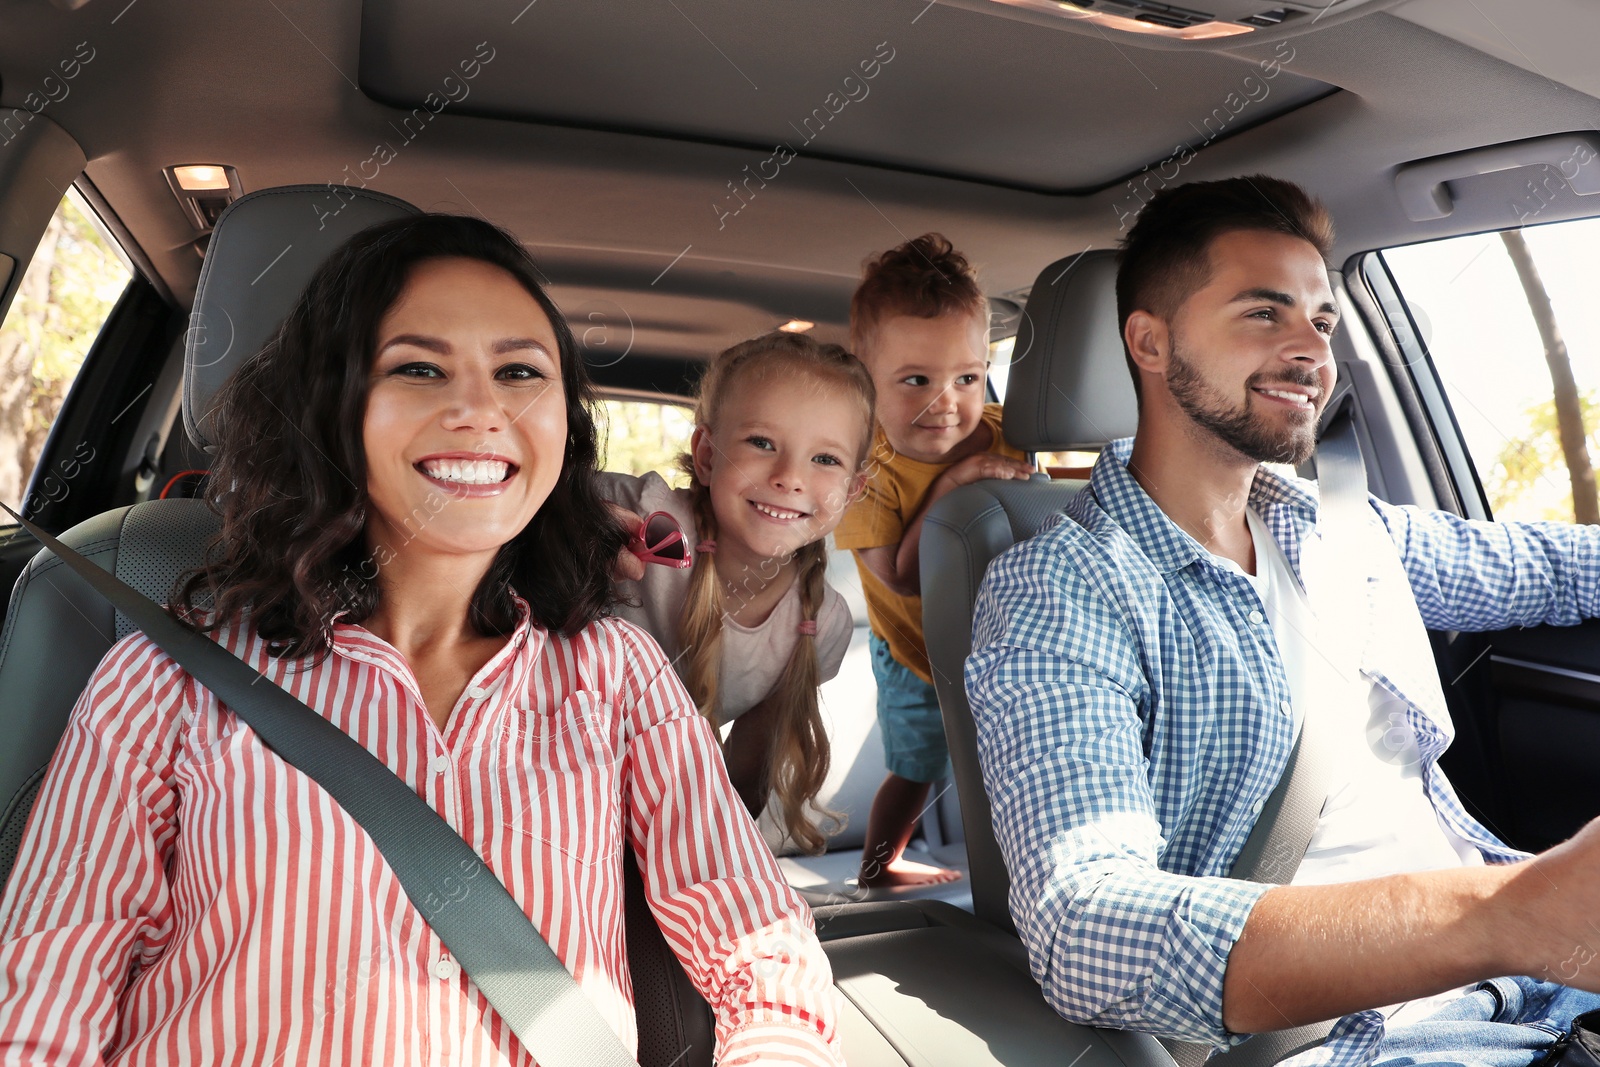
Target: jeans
[
  {"x": 908, "y": 716},
  {"x": 1505, "y": 1022}
]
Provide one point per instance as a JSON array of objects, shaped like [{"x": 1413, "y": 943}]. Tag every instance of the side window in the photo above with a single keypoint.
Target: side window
[
  {"x": 1509, "y": 319},
  {"x": 646, "y": 435},
  {"x": 1000, "y": 365},
  {"x": 65, "y": 297}
]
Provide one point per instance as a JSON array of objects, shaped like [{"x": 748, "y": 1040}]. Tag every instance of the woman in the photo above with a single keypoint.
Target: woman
[{"x": 411, "y": 544}]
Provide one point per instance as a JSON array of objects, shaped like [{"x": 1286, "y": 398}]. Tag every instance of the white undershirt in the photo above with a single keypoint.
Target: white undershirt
[{"x": 1377, "y": 819}]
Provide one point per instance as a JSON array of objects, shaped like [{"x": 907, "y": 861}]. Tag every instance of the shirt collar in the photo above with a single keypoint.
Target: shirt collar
[
  {"x": 357, "y": 642},
  {"x": 1288, "y": 506}
]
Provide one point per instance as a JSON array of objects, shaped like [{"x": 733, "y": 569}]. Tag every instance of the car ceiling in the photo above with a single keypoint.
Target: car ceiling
[{"x": 609, "y": 136}]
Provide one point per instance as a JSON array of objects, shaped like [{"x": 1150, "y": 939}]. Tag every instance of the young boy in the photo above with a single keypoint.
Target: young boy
[{"x": 921, "y": 325}]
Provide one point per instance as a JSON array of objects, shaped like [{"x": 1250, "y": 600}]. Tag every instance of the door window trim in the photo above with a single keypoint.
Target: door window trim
[{"x": 1416, "y": 363}]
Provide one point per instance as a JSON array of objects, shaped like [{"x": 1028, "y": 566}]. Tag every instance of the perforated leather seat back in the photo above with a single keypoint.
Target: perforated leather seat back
[{"x": 58, "y": 629}]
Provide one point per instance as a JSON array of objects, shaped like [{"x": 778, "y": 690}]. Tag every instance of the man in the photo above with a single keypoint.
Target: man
[{"x": 1138, "y": 671}]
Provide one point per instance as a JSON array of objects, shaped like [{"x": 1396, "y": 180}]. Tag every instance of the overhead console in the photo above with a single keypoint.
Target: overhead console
[{"x": 1227, "y": 23}]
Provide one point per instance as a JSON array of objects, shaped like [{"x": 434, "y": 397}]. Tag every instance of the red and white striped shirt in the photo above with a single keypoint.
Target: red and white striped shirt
[{"x": 182, "y": 895}]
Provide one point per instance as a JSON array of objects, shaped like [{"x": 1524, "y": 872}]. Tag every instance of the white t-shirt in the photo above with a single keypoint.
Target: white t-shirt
[
  {"x": 1377, "y": 819},
  {"x": 753, "y": 657}
]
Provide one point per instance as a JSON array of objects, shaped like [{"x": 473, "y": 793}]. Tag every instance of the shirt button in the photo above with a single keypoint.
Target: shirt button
[
  {"x": 1256, "y": 616},
  {"x": 439, "y": 764},
  {"x": 446, "y": 969},
  {"x": 1255, "y": 809},
  {"x": 1283, "y": 706},
  {"x": 477, "y": 692}
]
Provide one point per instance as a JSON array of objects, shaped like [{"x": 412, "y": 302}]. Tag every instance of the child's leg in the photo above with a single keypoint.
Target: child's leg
[
  {"x": 914, "y": 749},
  {"x": 895, "y": 811}
]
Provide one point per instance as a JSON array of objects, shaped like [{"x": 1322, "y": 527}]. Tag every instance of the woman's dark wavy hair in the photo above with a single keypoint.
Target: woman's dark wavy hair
[{"x": 289, "y": 479}]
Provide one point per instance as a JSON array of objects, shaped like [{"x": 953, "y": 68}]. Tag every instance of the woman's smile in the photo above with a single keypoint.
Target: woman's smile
[
  {"x": 467, "y": 475},
  {"x": 466, "y": 419}
]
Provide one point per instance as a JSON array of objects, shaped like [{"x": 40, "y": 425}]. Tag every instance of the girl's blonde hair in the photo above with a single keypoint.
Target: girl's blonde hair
[{"x": 797, "y": 752}]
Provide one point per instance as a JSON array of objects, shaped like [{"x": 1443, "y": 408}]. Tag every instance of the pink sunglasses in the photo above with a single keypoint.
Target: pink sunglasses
[{"x": 660, "y": 540}]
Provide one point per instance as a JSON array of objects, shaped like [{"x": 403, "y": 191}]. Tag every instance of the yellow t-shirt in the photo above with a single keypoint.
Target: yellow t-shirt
[{"x": 894, "y": 494}]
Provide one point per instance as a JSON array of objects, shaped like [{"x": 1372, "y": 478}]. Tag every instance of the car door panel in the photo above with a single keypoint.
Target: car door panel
[
  {"x": 1525, "y": 701},
  {"x": 1544, "y": 704}
]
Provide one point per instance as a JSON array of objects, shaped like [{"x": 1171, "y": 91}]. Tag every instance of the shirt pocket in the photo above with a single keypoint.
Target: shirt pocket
[{"x": 561, "y": 782}]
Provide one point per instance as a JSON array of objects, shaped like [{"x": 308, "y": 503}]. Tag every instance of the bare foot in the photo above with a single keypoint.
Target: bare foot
[{"x": 907, "y": 872}]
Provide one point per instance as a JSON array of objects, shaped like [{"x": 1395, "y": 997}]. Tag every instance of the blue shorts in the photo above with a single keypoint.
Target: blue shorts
[{"x": 908, "y": 716}]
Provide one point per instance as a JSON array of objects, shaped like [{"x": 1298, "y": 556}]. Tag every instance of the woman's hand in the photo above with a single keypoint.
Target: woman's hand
[{"x": 628, "y": 568}]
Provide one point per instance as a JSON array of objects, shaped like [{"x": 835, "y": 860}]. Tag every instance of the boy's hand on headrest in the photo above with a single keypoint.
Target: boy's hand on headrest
[
  {"x": 628, "y": 567},
  {"x": 985, "y": 465}
]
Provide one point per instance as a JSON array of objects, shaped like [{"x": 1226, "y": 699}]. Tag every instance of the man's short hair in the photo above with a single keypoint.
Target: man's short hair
[
  {"x": 1165, "y": 257},
  {"x": 923, "y": 278}
]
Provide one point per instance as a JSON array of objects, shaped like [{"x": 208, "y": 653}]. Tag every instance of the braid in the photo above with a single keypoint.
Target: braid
[{"x": 799, "y": 754}]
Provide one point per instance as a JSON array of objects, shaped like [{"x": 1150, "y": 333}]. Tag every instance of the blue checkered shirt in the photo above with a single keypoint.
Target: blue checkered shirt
[{"x": 1128, "y": 696}]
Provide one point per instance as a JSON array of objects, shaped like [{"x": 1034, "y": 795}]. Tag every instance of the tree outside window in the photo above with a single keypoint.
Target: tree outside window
[{"x": 64, "y": 299}]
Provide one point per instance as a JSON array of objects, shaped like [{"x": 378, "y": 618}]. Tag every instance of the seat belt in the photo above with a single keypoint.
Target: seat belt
[
  {"x": 1288, "y": 819},
  {"x": 478, "y": 920},
  {"x": 1282, "y": 833}
]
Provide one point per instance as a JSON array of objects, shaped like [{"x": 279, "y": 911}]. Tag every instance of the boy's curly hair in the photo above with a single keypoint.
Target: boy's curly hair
[{"x": 925, "y": 278}]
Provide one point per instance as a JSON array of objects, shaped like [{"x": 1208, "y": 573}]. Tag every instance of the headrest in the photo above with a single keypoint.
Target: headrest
[
  {"x": 263, "y": 251},
  {"x": 1069, "y": 387}
]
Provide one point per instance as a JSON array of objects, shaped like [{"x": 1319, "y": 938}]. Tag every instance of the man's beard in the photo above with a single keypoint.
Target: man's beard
[{"x": 1250, "y": 435}]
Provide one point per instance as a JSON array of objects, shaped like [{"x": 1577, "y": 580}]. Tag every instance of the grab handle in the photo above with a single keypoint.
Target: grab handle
[{"x": 1423, "y": 186}]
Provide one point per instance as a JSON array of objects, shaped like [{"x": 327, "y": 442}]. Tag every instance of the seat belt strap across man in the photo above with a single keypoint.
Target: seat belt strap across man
[
  {"x": 1288, "y": 819},
  {"x": 482, "y": 925}
]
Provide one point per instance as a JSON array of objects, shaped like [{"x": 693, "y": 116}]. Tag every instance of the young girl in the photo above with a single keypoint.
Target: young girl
[{"x": 782, "y": 427}]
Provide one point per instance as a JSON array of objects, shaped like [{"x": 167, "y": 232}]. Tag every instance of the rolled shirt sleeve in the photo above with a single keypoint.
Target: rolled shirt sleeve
[
  {"x": 1056, "y": 687},
  {"x": 746, "y": 939}
]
